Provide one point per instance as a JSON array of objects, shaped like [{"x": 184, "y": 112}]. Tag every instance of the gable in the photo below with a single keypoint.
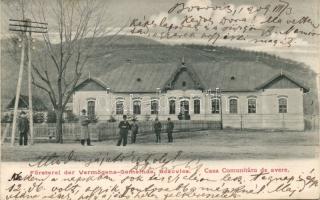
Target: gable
[
  {"x": 90, "y": 85},
  {"x": 183, "y": 81},
  {"x": 282, "y": 82},
  {"x": 184, "y": 78},
  {"x": 21, "y": 104}
]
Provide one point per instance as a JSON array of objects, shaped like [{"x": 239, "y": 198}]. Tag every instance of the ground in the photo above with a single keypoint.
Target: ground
[{"x": 209, "y": 144}]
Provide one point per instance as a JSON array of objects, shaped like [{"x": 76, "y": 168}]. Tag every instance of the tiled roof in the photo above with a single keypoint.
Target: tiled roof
[
  {"x": 226, "y": 75},
  {"x": 23, "y": 103}
]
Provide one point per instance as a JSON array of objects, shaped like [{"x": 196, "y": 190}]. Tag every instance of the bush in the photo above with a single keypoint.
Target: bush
[
  {"x": 72, "y": 117},
  {"x": 51, "y": 118},
  {"x": 93, "y": 119},
  {"x": 7, "y": 118},
  {"x": 38, "y": 117}
]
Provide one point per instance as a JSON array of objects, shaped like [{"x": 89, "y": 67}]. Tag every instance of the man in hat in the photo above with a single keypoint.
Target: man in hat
[
  {"x": 23, "y": 126},
  {"x": 157, "y": 129},
  {"x": 170, "y": 127},
  {"x": 134, "y": 131},
  {"x": 124, "y": 128},
  {"x": 85, "y": 135}
]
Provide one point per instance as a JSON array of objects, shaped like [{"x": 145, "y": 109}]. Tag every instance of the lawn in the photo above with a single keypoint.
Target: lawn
[{"x": 209, "y": 144}]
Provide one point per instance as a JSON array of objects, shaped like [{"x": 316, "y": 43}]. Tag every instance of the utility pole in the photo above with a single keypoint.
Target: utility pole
[
  {"x": 24, "y": 26},
  {"x": 219, "y": 96},
  {"x": 158, "y": 91}
]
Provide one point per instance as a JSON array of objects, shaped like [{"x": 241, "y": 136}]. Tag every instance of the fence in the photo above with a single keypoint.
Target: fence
[{"x": 107, "y": 130}]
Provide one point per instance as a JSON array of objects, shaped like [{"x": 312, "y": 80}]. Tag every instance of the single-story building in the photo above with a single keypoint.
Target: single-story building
[{"x": 264, "y": 98}]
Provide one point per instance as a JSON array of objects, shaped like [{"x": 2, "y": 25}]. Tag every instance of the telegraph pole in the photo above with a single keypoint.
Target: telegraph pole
[
  {"x": 30, "y": 86},
  {"x": 219, "y": 96},
  {"x": 24, "y": 26},
  {"x": 15, "y": 112}
]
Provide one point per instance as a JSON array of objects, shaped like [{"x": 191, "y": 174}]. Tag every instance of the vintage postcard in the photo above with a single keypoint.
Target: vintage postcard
[{"x": 167, "y": 100}]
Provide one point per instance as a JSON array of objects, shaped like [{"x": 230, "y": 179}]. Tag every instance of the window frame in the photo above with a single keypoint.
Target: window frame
[
  {"x": 117, "y": 110},
  {"x": 152, "y": 111},
  {"x": 281, "y": 109},
  {"x": 174, "y": 107},
  {"x": 198, "y": 108},
  {"x": 250, "y": 111},
  {"x": 134, "y": 106},
  {"x": 94, "y": 106},
  {"x": 231, "y": 111},
  {"x": 213, "y": 108}
]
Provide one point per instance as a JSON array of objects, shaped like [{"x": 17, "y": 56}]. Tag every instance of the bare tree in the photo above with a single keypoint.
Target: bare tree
[{"x": 68, "y": 45}]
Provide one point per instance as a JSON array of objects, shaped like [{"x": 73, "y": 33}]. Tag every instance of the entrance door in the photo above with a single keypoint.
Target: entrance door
[
  {"x": 184, "y": 107},
  {"x": 91, "y": 109}
]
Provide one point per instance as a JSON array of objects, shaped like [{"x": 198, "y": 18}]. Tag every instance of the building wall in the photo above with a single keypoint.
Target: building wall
[
  {"x": 267, "y": 114},
  {"x": 81, "y": 98}
]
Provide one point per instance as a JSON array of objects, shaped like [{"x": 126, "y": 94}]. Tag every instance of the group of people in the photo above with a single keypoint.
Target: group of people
[{"x": 125, "y": 126}]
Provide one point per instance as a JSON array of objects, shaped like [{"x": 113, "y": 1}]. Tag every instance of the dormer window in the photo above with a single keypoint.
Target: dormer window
[{"x": 184, "y": 84}]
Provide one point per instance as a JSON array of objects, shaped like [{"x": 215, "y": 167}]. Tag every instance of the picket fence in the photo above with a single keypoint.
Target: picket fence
[{"x": 106, "y": 130}]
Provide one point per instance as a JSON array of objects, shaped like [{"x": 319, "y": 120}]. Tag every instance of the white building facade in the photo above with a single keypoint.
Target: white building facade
[{"x": 276, "y": 103}]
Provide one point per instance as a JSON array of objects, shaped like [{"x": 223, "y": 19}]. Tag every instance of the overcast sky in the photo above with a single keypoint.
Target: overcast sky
[{"x": 119, "y": 12}]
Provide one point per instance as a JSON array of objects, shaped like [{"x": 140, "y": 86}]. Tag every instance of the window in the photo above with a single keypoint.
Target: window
[
  {"x": 184, "y": 84},
  {"x": 154, "y": 107},
  {"x": 119, "y": 107},
  {"x": 233, "y": 105},
  {"x": 282, "y": 105},
  {"x": 252, "y": 105},
  {"x": 172, "y": 107},
  {"x": 91, "y": 109},
  {"x": 196, "y": 106},
  {"x": 215, "y": 106},
  {"x": 136, "y": 107}
]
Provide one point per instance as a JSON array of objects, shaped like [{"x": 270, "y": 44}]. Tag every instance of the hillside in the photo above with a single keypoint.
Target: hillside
[{"x": 125, "y": 49}]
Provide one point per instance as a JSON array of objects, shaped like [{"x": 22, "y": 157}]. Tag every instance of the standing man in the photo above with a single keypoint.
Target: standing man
[
  {"x": 170, "y": 127},
  {"x": 134, "y": 131},
  {"x": 23, "y": 126},
  {"x": 124, "y": 128},
  {"x": 157, "y": 129},
  {"x": 85, "y": 135}
]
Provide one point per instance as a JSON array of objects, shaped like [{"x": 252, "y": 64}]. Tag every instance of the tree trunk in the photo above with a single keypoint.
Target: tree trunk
[{"x": 59, "y": 124}]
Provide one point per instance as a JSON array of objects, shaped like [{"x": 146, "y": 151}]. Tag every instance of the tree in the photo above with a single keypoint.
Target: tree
[{"x": 76, "y": 24}]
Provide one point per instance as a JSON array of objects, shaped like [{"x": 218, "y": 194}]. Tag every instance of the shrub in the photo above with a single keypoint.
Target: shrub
[
  {"x": 38, "y": 117},
  {"x": 93, "y": 119},
  {"x": 71, "y": 117},
  {"x": 7, "y": 118}
]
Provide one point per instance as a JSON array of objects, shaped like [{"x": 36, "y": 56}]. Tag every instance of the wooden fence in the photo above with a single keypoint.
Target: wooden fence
[{"x": 106, "y": 130}]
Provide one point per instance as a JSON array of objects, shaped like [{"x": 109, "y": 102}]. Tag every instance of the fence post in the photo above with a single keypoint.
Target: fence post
[{"x": 6, "y": 131}]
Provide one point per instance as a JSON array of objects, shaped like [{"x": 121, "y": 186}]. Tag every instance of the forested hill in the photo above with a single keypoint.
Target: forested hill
[{"x": 136, "y": 50}]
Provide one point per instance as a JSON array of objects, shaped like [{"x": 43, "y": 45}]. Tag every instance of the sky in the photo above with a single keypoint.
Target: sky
[{"x": 119, "y": 13}]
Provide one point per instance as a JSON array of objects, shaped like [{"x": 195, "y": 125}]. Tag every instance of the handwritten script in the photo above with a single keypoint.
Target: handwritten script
[
  {"x": 152, "y": 176},
  {"x": 275, "y": 23}
]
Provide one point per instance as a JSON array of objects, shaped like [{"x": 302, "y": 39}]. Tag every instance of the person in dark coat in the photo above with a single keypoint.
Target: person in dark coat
[
  {"x": 85, "y": 134},
  {"x": 23, "y": 127},
  {"x": 124, "y": 128},
  {"x": 134, "y": 131},
  {"x": 157, "y": 129},
  {"x": 170, "y": 127}
]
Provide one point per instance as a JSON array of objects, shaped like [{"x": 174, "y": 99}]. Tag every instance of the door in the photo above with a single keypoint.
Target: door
[{"x": 184, "y": 107}]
